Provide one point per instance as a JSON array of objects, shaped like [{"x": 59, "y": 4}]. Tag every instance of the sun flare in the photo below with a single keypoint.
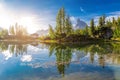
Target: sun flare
[
  {"x": 27, "y": 22},
  {"x": 8, "y": 18}
]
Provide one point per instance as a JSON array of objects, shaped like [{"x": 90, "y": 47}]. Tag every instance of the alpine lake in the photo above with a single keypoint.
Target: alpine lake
[{"x": 50, "y": 61}]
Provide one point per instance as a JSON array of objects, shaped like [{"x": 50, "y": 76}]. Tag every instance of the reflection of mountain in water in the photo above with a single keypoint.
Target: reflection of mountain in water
[{"x": 79, "y": 54}]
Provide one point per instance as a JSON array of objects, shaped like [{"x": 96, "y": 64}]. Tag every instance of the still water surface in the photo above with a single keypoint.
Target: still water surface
[{"x": 38, "y": 61}]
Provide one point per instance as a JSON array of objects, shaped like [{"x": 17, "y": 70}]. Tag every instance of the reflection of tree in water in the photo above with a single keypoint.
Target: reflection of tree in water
[
  {"x": 102, "y": 60},
  {"x": 101, "y": 51},
  {"x": 3, "y": 46},
  {"x": 17, "y": 49},
  {"x": 79, "y": 54},
  {"x": 63, "y": 57},
  {"x": 104, "y": 51}
]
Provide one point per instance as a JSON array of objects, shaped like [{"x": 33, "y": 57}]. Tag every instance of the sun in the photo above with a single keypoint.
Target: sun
[{"x": 8, "y": 18}]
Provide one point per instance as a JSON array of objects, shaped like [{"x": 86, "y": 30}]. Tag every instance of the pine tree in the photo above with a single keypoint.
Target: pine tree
[
  {"x": 63, "y": 19},
  {"x": 86, "y": 31},
  {"x": 108, "y": 23},
  {"x": 68, "y": 26},
  {"x": 63, "y": 25},
  {"x": 102, "y": 21},
  {"x": 92, "y": 27},
  {"x": 118, "y": 22},
  {"x": 59, "y": 23},
  {"x": 117, "y": 28},
  {"x": 12, "y": 30},
  {"x": 113, "y": 21},
  {"x": 3, "y": 33},
  {"x": 51, "y": 32}
]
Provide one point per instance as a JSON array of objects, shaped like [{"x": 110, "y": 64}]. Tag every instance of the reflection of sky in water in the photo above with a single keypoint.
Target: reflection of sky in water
[{"x": 37, "y": 65}]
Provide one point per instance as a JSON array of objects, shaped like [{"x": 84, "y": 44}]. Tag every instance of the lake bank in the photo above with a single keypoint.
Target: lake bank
[
  {"x": 90, "y": 41},
  {"x": 78, "y": 42}
]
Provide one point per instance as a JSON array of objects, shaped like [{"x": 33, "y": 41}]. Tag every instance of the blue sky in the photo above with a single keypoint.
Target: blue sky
[{"x": 43, "y": 12}]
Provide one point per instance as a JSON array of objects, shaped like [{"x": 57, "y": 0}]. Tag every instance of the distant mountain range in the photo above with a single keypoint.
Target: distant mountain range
[{"x": 79, "y": 25}]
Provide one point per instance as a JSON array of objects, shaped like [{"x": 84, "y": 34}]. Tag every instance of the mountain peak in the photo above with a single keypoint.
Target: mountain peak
[
  {"x": 80, "y": 24},
  {"x": 42, "y": 32}
]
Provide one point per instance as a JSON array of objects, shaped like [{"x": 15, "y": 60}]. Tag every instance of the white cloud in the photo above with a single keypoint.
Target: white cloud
[
  {"x": 26, "y": 58},
  {"x": 39, "y": 64},
  {"x": 73, "y": 20},
  {"x": 109, "y": 16},
  {"x": 7, "y": 54},
  {"x": 82, "y": 10},
  {"x": 115, "y": 14}
]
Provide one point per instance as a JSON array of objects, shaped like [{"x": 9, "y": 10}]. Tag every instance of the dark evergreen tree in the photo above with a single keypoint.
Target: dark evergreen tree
[
  {"x": 102, "y": 21},
  {"x": 68, "y": 26},
  {"x": 12, "y": 30},
  {"x": 63, "y": 19},
  {"x": 92, "y": 26},
  {"x": 59, "y": 23}
]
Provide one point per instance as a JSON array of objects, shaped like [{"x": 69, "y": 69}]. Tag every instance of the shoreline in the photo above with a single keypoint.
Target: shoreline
[
  {"x": 62, "y": 42},
  {"x": 79, "y": 42}
]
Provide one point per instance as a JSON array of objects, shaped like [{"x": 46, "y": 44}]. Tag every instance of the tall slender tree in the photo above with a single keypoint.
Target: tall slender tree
[
  {"x": 63, "y": 24},
  {"x": 12, "y": 30},
  {"x": 102, "y": 21},
  {"x": 92, "y": 26},
  {"x": 51, "y": 32},
  {"x": 86, "y": 31},
  {"x": 68, "y": 26},
  {"x": 63, "y": 19},
  {"x": 59, "y": 23}
]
